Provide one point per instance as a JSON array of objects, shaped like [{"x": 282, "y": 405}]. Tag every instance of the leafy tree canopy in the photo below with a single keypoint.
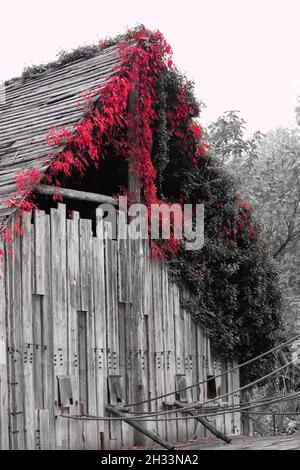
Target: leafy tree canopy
[{"x": 234, "y": 280}]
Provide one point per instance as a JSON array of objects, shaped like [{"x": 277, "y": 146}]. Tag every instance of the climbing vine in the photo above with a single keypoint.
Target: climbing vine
[{"x": 124, "y": 117}]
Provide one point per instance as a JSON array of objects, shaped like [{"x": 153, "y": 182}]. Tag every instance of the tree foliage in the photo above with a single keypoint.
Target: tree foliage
[
  {"x": 270, "y": 180},
  {"x": 235, "y": 283}
]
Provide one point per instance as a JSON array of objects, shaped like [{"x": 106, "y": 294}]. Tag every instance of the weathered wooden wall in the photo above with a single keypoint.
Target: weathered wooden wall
[{"x": 85, "y": 308}]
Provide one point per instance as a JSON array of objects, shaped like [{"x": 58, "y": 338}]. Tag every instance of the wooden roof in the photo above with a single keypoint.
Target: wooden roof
[{"x": 34, "y": 106}]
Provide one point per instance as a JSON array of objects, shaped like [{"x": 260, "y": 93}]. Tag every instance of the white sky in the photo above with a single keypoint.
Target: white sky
[{"x": 242, "y": 54}]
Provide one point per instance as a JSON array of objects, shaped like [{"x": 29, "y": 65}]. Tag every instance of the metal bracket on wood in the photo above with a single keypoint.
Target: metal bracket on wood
[
  {"x": 204, "y": 423},
  {"x": 139, "y": 428}
]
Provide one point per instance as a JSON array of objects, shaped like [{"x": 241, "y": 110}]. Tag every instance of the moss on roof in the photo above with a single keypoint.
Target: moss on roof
[{"x": 67, "y": 57}]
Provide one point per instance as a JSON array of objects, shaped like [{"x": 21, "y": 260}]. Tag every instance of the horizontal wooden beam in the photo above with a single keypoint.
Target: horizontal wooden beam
[{"x": 74, "y": 194}]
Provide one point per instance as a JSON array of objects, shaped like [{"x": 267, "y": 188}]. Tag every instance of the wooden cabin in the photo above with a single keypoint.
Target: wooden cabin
[{"x": 88, "y": 322}]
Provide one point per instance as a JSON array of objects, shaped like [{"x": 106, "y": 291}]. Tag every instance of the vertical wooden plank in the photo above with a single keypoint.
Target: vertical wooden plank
[
  {"x": 205, "y": 372},
  {"x": 27, "y": 324},
  {"x": 200, "y": 375},
  {"x": 4, "y": 430},
  {"x": 16, "y": 345},
  {"x": 205, "y": 362},
  {"x": 100, "y": 325},
  {"x": 194, "y": 355},
  {"x": 136, "y": 337},
  {"x": 193, "y": 359},
  {"x": 224, "y": 389},
  {"x": 148, "y": 365},
  {"x": 40, "y": 253},
  {"x": 8, "y": 284},
  {"x": 44, "y": 427},
  {"x": 76, "y": 430},
  {"x": 59, "y": 314},
  {"x": 159, "y": 353},
  {"x": 210, "y": 373},
  {"x": 127, "y": 435},
  {"x": 32, "y": 259},
  {"x": 38, "y": 290},
  {"x": 151, "y": 339},
  {"x": 172, "y": 431},
  {"x": 188, "y": 364},
  {"x": 128, "y": 432},
  {"x": 38, "y": 351},
  {"x": 111, "y": 283},
  {"x": 86, "y": 273},
  {"x": 125, "y": 321},
  {"x": 124, "y": 260},
  {"x": 74, "y": 305},
  {"x": 111, "y": 300},
  {"x": 200, "y": 352},
  {"x": 140, "y": 312},
  {"x": 236, "y": 399},
  {"x": 231, "y": 397},
  {"x": 166, "y": 346},
  {"x": 125, "y": 296},
  {"x": 228, "y": 417},
  {"x": 191, "y": 427},
  {"x": 217, "y": 371},
  {"x": 210, "y": 361},
  {"x": 49, "y": 396},
  {"x": 82, "y": 362},
  {"x": 38, "y": 360},
  {"x": 179, "y": 355}
]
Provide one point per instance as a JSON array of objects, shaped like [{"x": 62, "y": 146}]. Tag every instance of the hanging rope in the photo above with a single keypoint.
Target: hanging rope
[
  {"x": 212, "y": 400},
  {"x": 177, "y": 411},
  {"x": 250, "y": 361}
]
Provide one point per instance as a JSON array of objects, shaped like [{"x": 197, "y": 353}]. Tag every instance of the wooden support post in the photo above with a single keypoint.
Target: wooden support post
[
  {"x": 205, "y": 423},
  {"x": 140, "y": 428},
  {"x": 136, "y": 318},
  {"x": 26, "y": 303},
  {"x": 274, "y": 424},
  {"x": 246, "y": 419},
  {"x": 59, "y": 303},
  {"x": 4, "y": 400}
]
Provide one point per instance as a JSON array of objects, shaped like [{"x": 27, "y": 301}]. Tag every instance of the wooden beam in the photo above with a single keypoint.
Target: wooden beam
[
  {"x": 140, "y": 428},
  {"x": 134, "y": 184},
  {"x": 205, "y": 423},
  {"x": 74, "y": 194}
]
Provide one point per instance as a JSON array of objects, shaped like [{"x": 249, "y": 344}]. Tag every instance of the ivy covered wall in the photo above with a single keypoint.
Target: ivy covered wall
[{"x": 236, "y": 292}]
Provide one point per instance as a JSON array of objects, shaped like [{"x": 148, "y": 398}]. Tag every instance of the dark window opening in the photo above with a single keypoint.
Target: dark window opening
[
  {"x": 108, "y": 179},
  {"x": 211, "y": 387}
]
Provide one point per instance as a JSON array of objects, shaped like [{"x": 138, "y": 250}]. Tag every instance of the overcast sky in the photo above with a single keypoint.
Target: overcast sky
[{"x": 242, "y": 54}]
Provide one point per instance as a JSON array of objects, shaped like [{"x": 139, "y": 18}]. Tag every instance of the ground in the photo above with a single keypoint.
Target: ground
[{"x": 251, "y": 443}]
